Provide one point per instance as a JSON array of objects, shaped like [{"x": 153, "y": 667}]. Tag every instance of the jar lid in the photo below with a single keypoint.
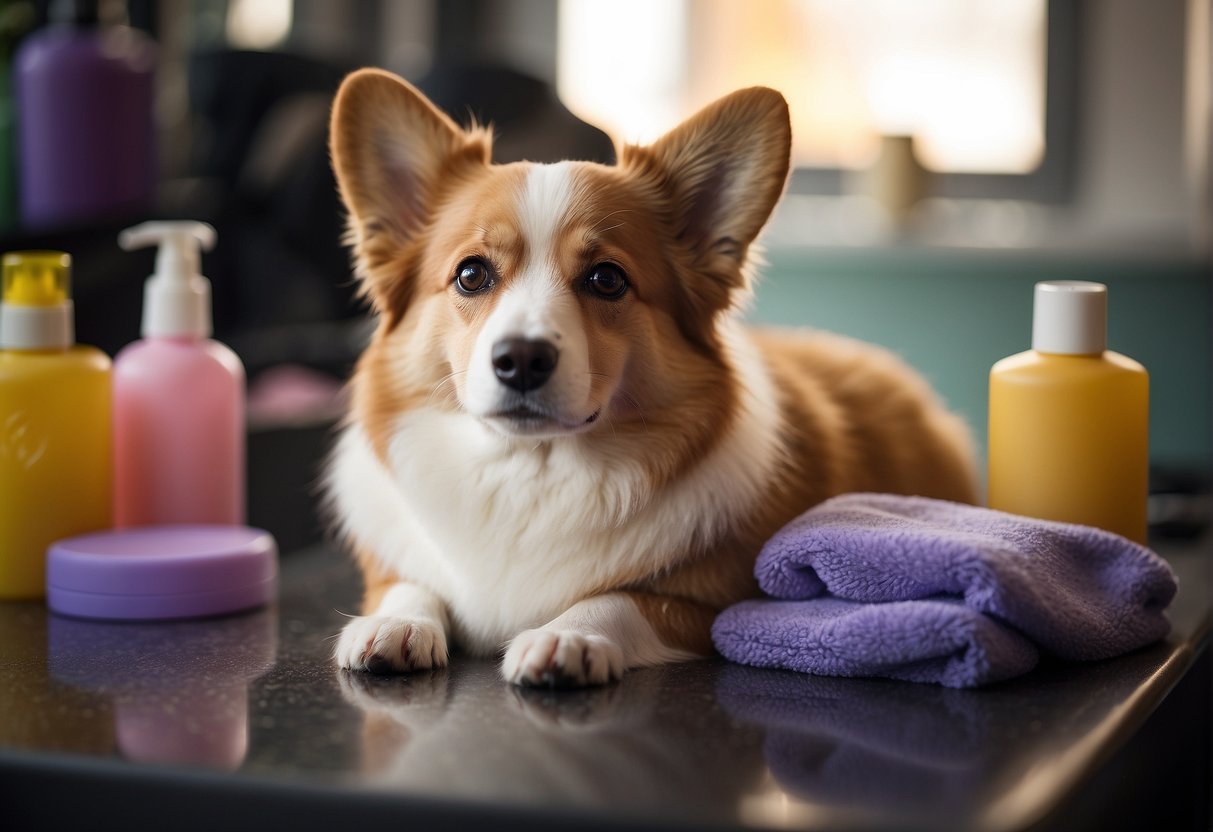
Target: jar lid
[{"x": 161, "y": 572}]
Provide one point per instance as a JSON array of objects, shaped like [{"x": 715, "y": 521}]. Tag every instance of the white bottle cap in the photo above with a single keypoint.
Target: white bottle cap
[
  {"x": 1070, "y": 317},
  {"x": 177, "y": 298}
]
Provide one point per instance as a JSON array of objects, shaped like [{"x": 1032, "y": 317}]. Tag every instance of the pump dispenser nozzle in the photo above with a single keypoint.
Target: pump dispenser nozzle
[{"x": 177, "y": 298}]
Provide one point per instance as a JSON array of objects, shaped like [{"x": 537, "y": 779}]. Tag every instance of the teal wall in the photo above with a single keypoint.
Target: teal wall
[{"x": 952, "y": 314}]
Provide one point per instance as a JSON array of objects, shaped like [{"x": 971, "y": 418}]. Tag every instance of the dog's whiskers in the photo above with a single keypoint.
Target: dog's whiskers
[
  {"x": 635, "y": 404},
  {"x": 611, "y": 422},
  {"x": 627, "y": 397},
  {"x": 596, "y": 229},
  {"x": 443, "y": 382}
]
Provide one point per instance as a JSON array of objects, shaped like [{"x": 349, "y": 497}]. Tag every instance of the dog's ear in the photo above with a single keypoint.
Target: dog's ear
[
  {"x": 721, "y": 171},
  {"x": 392, "y": 152}
]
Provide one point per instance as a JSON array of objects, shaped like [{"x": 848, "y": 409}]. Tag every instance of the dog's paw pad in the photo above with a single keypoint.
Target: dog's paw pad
[
  {"x": 382, "y": 644},
  {"x": 561, "y": 659}
]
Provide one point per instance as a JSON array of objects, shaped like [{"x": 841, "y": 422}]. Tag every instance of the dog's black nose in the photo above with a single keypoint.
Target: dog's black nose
[{"x": 524, "y": 364}]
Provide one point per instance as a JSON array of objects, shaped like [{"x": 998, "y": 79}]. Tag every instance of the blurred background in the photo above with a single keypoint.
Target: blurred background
[{"x": 948, "y": 153}]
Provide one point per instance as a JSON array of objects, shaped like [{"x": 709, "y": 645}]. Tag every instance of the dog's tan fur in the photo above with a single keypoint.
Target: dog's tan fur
[{"x": 852, "y": 417}]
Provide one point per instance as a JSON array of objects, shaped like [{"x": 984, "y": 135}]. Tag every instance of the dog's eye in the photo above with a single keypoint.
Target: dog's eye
[
  {"x": 607, "y": 281},
  {"x": 472, "y": 276}
]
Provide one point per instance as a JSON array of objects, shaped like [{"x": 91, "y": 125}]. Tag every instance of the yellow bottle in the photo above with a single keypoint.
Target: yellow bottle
[
  {"x": 55, "y": 478},
  {"x": 1069, "y": 420}
]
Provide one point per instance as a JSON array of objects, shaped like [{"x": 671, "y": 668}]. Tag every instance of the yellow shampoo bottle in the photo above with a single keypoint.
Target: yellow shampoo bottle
[
  {"x": 55, "y": 477},
  {"x": 1069, "y": 419}
]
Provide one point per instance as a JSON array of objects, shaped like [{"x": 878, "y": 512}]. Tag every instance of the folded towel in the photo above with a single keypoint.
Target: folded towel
[
  {"x": 926, "y": 590},
  {"x": 935, "y": 640}
]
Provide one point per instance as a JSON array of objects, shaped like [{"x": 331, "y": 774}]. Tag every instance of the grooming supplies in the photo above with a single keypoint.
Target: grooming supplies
[
  {"x": 55, "y": 474},
  {"x": 86, "y": 130},
  {"x": 162, "y": 572},
  {"x": 179, "y": 397},
  {"x": 1069, "y": 419}
]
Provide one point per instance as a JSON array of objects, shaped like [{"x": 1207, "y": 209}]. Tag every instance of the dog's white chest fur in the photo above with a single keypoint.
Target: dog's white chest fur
[{"x": 510, "y": 534}]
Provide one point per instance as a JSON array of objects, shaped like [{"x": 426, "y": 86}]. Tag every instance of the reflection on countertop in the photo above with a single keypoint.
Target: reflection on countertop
[
  {"x": 178, "y": 690},
  {"x": 653, "y": 745},
  {"x": 256, "y": 698}
]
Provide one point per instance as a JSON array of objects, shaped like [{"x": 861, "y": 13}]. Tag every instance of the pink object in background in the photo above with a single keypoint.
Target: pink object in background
[{"x": 179, "y": 400}]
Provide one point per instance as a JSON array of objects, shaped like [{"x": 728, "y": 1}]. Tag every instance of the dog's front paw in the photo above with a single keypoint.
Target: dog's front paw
[
  {"x": 383, "y": 644},
  {"x": 561, "y": 659}
]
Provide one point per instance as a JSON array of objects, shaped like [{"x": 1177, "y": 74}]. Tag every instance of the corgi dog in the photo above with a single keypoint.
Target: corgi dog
[{"x": 562, "y": 447}]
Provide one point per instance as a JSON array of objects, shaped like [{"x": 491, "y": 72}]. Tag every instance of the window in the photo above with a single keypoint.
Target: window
[{"x": 966, "y": 78}]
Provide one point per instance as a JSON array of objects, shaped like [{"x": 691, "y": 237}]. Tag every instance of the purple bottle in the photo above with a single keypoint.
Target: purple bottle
[{"x": 85, "y": 126}]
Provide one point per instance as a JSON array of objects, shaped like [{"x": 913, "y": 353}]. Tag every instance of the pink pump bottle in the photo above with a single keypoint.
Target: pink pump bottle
[{"x": 178, "y": 396}]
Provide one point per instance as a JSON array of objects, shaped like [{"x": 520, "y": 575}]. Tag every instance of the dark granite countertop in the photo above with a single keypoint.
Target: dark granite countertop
[{"x": 228, "y": 720}]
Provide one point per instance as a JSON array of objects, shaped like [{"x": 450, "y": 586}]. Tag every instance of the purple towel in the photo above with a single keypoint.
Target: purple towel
[{"x": 926, "y": 590}]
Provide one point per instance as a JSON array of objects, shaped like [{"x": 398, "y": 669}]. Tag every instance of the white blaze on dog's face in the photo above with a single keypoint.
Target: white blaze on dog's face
[
  {"x": 529, "y": 367},
  {"x": 543, "y": 314},
  {"x": 545, "y": 300}
]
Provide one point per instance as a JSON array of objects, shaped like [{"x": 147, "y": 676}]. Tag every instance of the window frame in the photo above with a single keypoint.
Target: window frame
[{"x": 1052, "y": 181}]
